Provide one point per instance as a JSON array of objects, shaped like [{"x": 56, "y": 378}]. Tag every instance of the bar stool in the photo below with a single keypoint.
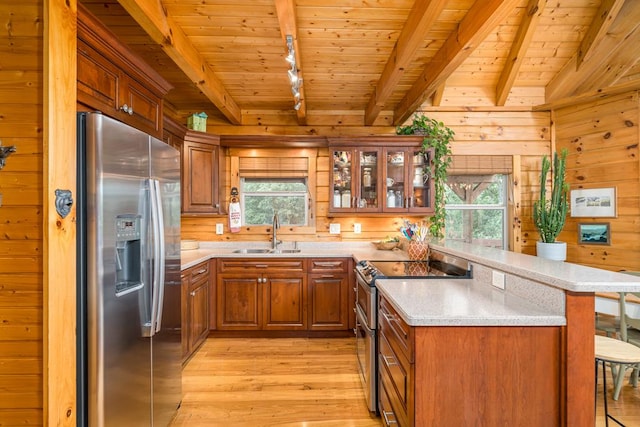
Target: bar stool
[{"x": 613, "y": 351}]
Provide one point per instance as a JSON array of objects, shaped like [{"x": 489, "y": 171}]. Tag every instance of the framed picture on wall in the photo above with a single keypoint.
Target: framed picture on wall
[
  {"x": 594, "y": 233},
  {"x": 593, "y": 202}
]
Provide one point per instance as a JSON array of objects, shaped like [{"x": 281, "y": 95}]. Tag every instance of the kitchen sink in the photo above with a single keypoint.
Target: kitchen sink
[
  {"x": 286, "y": 251},
  {"x": 252, "y": 251}
]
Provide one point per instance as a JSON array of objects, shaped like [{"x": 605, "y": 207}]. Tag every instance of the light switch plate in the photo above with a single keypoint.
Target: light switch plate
[
  {"x": 334, "y": 228},
  {"x": 219, "y": 229},
  {"x": 357, "y": 228},
  {"x": 498, "y": 279}
]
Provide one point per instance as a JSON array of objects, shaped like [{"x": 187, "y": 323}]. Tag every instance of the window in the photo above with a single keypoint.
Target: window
[
  {"x": 261, "y": 197},
  {"x": 273, "y": 180},
  {"x": 476, "y": 209}
]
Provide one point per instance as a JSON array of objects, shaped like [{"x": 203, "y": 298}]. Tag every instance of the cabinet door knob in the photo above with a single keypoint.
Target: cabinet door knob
[
  {"x": 127, "y": 109},
  {"x": 193, "y": 293}
]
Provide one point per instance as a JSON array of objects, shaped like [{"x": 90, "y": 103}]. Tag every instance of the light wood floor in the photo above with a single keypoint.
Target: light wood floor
[{"x": 300, "y": 382}]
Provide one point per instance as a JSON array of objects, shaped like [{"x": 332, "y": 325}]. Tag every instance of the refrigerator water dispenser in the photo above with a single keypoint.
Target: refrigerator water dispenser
[{"x": 128, "y": 254}]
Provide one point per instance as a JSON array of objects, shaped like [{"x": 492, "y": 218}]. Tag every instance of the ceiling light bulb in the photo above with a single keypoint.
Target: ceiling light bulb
[
  {"x": 293, "y": 76},
  {"x": 291, "y": 58}
]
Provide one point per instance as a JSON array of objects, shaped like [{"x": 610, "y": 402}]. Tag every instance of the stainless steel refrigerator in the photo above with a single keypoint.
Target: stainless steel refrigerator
[{"x": 129, "y": 349}]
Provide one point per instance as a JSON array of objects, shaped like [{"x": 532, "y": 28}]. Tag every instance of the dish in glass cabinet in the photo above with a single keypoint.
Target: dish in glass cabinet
[
  {"x": 369, "y": 159},
  {"x": 396, "y": 159}
]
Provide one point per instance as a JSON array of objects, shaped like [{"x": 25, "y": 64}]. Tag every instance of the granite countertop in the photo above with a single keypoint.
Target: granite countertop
[
  {"x": 562, "y": 275},
  {"x": 358, "y": 250},
  {"x": 461, "y": 302}
]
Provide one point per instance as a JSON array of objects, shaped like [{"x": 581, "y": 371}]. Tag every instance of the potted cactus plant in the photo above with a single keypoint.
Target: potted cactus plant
[{"x": 550, "y": 213}]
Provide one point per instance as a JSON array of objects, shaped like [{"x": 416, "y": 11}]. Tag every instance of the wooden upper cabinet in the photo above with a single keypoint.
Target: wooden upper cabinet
[
  {"x": 200, "y": 170},
  {"x": 173, "y": 133},
  {"x": 113, "y": 80},
  {"x": 367, "y": 175}
]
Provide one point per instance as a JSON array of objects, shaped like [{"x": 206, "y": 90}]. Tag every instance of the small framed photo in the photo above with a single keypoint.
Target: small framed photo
[
  {"x": 594, "y": 233},
  {"x": 594, "y": 202}
]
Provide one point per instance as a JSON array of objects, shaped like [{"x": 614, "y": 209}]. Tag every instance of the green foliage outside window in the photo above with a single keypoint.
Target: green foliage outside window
[
  {"x": 485, "y": 215},
  {"x": 262, "y": 197}
]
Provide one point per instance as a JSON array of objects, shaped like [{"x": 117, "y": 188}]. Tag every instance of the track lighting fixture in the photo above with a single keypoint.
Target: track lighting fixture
[{"x": 292, "y": 73}]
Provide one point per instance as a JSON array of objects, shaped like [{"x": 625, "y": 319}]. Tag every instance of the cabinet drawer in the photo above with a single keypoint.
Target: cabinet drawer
[
  {"x": 199, "y": 272},
  {"x": 238, "y": 265},
  {"x": 398, "y": 333},
  {"x": 395, "y": 370},
  {"x": 394, "y": 402},
  {"x": 389, "y": 417},
  {"x": 334, "y": 265}
]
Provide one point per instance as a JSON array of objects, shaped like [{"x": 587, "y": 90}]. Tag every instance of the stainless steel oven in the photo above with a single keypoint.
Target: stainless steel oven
[
  {"x": 366, "y": 348},
  {"x": 437, "y": 266}
]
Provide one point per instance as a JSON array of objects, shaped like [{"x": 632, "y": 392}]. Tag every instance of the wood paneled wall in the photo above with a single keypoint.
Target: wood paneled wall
[
  {"x": 602, "y": 138},
  {"x": 524, "y": 135},
  {"x": 21, "y": 215}
]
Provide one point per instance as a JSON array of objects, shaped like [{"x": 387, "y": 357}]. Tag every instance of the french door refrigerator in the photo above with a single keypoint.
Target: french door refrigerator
[{"x": 129, "y": 349}]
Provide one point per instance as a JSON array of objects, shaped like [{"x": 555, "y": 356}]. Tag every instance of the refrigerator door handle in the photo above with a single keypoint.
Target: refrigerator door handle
[{"x": 157, "y": 220}]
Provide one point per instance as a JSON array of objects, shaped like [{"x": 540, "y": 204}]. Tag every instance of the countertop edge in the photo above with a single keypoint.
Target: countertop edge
[{"x": 530, "y": 315}]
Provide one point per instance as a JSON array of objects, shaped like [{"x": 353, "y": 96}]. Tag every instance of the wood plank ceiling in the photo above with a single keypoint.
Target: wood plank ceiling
[{"x": 375, "y": 62}]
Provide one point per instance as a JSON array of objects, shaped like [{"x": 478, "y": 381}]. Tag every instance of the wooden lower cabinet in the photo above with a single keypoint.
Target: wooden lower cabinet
[
  {"x": 261, "y": 294},
  {"x": 195, "y": 303},
  {"x": 283, "y": 294},
  {"x": 261, "y": 301},
  {"x": 284, "y": 302},
  {"x": 331, "y": 295},
  {"x": 328, "y": 301},
  {"x": 465, "y": 375}
]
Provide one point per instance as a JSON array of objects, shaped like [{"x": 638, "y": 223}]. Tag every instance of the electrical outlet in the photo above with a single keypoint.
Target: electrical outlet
[
  {"x": 498, "y": 279},
  {"x": 219, "y": 229},
  {"x": 334, "y": 228},
  {"x": 357, "y": 228}
]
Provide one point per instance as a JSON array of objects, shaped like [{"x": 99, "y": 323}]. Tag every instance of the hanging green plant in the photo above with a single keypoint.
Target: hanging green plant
[{"x": 437, "y": 136}]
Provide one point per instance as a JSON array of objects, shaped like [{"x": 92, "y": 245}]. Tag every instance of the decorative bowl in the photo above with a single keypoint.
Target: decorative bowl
[{"x": 385, "y": 246}]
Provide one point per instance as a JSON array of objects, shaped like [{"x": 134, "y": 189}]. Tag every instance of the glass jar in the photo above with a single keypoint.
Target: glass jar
[
  {"x": 337, "y": 200},
  {"x": 346, "y": 199},
  {"x": 398, "y": 199},
  {"x": 366, "y": 177},
  {"x": 391, "y": 199}
]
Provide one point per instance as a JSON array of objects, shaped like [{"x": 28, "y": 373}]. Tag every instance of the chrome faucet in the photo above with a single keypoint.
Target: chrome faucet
[{"x": 274, "y": 234}]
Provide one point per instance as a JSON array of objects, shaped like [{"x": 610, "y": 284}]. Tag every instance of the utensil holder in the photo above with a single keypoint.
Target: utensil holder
[{"x": 417, "y": 250}]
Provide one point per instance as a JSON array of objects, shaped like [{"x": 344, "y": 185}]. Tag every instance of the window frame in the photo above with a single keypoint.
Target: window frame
[
  {"x": 304, "y": 194},
  {"x": 233, "y": 165},
  {"x": 504, "y": 207}
]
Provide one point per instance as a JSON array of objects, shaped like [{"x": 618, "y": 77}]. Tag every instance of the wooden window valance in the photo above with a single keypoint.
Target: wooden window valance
[
  {"x": 268, "y": 167},
  {"x": 480, "y": 165}
]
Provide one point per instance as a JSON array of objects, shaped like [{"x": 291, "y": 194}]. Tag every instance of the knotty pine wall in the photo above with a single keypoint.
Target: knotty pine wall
[
  {"x": 602, "y": 138},
  {"x": 21, "y": 218},
  {"x": 525, "y": 135}
]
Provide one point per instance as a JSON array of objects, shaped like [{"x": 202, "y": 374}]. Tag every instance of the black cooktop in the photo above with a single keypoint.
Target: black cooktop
[
  {"x": 437, "y": 266},
  {"x": 416, "y": 269}
]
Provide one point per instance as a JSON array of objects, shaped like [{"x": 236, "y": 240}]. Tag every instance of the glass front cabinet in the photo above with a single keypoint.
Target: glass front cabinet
[
  {"x": 355, "y": 184},
  {"x": 408, "y": 180},
  {"x": 375, "y": 178}
]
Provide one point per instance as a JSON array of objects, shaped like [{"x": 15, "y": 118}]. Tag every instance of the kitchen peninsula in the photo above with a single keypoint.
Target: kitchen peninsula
[{"x": 525, "y": 344}]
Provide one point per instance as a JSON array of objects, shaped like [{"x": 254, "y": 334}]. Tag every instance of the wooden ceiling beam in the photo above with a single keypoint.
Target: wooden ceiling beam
[
  {"x": 605, "y": 16},
  {"x": 161, "y": 28},
  {"x": 286, "y": 10},
  {"x": 436, "y": 98},
  {"x": 614, "y": 55},
  {"x": 421, "y": 19},
  {"x": 481, "y": 19},
  {"x": 519, "y": 49}
]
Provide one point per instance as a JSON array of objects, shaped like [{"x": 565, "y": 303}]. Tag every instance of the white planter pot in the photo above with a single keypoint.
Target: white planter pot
[{"x": 556, "y": 251}]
